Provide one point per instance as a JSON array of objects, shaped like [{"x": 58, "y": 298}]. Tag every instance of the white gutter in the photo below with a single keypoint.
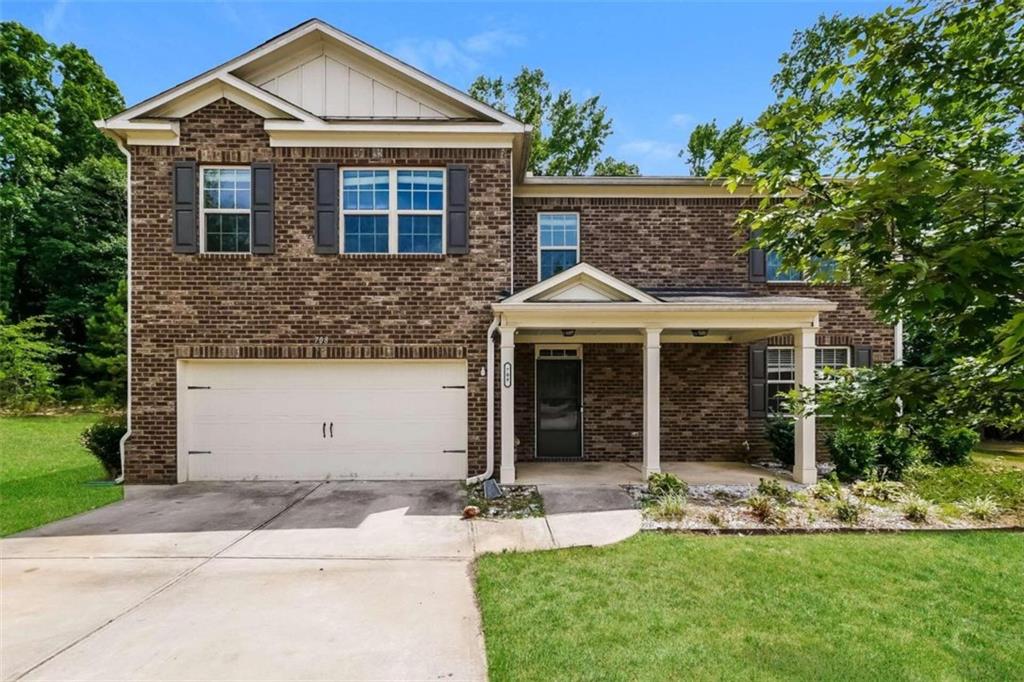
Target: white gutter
[
  {"x": 489, "y": 471},
  {"x": 511, "y": 222},
  {"x": 128, "y": 312}
]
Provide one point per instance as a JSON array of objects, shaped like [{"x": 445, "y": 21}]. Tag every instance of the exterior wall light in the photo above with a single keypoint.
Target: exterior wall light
[
  {"x": 699, "y": 333},
  {"x": 568, "y": 332}
]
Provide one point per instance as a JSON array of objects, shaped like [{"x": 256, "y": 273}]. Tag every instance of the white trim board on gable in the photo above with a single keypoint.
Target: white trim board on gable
[{"x": 582, "y": 283}]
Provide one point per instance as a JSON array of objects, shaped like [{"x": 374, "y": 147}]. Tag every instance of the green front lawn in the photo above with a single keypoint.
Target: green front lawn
[
  {"x": 45, "y": 473},
  {"x": 823, "y": 607},
  {"x": 986, "y": 475}
]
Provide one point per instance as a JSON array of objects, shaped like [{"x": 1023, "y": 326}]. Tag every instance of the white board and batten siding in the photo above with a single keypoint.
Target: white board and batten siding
[
  {"x": 321, "y": 419},
  {"x": 326, "y": 86}
]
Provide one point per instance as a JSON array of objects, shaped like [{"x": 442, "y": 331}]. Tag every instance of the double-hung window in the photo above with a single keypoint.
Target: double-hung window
[
  {"x": 226, "y": 210},
  {"x": 775, "y": 272},
  {"x": 782, "y": 370},
  {"x": 558, "y": 242},
  {"x": 392, "y": 210}
]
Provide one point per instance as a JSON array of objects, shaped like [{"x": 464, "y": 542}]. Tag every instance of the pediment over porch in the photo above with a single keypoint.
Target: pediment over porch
[{"x": 582, "y": 283}]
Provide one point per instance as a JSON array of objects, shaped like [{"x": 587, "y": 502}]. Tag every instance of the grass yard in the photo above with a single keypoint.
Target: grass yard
[
  {"x": 45, "y": 473},
  {"x": 823, "y": 607},
  {"x": 1000, "y": 477}
]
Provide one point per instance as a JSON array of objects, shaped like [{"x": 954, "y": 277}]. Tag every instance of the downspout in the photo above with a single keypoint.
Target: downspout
[
  {"x": 512, "y": 222},
  {"x": 128, "y": 312},
  {"x": 489, "y": 471},
  {"x": 897, "y": 351}
]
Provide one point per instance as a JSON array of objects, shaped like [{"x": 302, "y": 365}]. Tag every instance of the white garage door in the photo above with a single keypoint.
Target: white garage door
[{"x": 306, "y": 420}]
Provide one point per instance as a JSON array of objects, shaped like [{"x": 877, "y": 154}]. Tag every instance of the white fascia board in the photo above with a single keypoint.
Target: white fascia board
[
  {"x": 579, "y": 271},
  {"x": 387, "y": 125},
  {"x": 649, "y": 316},
  {"x": 376, "y": 137}
]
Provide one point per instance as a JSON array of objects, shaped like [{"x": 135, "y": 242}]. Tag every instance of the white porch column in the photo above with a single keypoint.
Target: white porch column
[
  {"x": 652, "y": 402},
  {"x": 508, "y": 404},
  {"x": 805, "y": 468}
]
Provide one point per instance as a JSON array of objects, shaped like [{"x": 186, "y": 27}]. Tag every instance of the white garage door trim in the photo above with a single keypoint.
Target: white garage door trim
[{"x": 392, "y": 419}]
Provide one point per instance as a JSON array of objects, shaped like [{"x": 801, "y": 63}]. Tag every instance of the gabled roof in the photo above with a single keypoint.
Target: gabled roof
[
  {"x": 582, "y": 283},
  {"x": 412, "y": 101}
]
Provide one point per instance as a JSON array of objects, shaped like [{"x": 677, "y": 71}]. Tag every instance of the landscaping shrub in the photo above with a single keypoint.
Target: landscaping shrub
[
  {"x": 981, "y": 508},
  {"x": 950, "y": 445},
  {"x": 826, "y": 489},
  {"x": 846, "y": 509},
  {"x": 103, "y": 440},
  {"x": 885, "y": 491},
  {"x": 916, "y": 508},
  {"x": 767, "y": 510},
  {"x": 779, "y": 432},
  {"x": 853, "y": 452},
  {"x": 895, "y": 453},
  {"x": 661, "y": 484},
  {"x": 773, "y": 488},
  {"x": 670, "y": 507}
]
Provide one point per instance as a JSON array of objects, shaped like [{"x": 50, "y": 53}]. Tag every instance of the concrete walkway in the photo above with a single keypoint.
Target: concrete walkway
[{"x": 264, "y": 581}]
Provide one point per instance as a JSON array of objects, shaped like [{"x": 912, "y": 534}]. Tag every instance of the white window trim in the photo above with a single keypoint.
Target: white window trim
[
  {"x": 540, "y": 249},
  {"x": 541, "y": 347},
  {"x": 770, "y": 382},
  {"x": 203, "y": 211},
  {"x": 393, "y": 211}
]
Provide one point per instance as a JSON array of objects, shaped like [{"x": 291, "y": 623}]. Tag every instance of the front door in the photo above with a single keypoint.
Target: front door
[{"x": 559, "y": 408}]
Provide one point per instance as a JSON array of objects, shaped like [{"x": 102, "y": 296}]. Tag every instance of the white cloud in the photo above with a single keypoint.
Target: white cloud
[
  {"x": 650, "y": 149},
  {"x": 53, "y": 18},
  {"x": 684, "y": 121},
  {"x": 462, "y": 56}
]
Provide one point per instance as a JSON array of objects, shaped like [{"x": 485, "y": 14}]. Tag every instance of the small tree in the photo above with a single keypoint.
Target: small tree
[
  {"x": 106, "y": 358},
  {"x": 28, "y": 367}
]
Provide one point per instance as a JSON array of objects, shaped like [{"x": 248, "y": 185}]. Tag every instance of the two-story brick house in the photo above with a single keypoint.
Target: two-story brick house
[{"x": 340, "y": 269}]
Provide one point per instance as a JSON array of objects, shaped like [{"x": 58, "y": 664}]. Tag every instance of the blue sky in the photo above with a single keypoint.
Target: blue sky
[{"x": 659, "y": 67}]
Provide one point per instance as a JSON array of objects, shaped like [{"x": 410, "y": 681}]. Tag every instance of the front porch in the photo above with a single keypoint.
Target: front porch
[
  {"x": 619, "y": 473},
  {"x": 583, "y": 308}
]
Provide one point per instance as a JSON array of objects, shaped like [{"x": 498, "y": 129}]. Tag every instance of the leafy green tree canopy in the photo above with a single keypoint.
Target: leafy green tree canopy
[
  {"x": 568, "y": 135},
  {"x": 894, "y": 150},
  {"x": 708, "y": 144}
]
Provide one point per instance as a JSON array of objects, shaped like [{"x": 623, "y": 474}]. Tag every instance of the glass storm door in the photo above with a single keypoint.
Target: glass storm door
[{"x": 559, "y": 408}]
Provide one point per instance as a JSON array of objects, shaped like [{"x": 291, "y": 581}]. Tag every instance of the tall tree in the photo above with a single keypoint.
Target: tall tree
[
  {"x": 895, "y": 150},
  {"x": 568, "y": 135},
  {"x": 62, "y": 233},
  {"x": 707, "y": 145}
]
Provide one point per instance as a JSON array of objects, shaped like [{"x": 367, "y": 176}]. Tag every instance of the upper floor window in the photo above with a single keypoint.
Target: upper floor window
[
  {"x": 558, "y": 242},
  {"x": 392, "y": 210},
  {"x": 226, "y": 210},
  {"x": 775, "y": 272},
  {"x": 782, "y": 369}
]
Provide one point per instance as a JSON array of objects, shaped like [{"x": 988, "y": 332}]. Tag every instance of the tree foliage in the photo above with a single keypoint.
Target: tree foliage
[
  {"x": 28, "y": 367},
  {"x": 894, "y": 150},
  {"x": 62, "y": 188},
  {"x": 708, "y": 144},
  {"x": 609, "y": 166},
  {"x": 568, "y": 135},
  {"x": 105, "y": 361}
]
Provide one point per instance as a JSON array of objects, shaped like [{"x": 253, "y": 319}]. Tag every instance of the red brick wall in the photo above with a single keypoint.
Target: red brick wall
[
  {"x": 377, "y": 305},
  {"x": 672, "y": 243}
]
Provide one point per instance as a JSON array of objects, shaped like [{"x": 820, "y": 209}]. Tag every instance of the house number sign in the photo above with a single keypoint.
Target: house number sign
[{"x": 506, "y": 374}]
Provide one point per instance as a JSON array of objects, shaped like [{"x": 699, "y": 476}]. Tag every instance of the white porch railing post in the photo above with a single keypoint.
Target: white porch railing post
[
  {"x": 508, "y": 411},
  {"x": 652, "y": 402},
  {"x": 805, "y": 468}
]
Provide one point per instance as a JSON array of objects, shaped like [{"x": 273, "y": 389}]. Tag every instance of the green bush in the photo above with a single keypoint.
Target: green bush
[
  {"x": 895, "y": 451},
  {"x": 846, "y": 509},
  {"x": 779, "y": 432},
  {"x": 916, "y": 508},
  {"x": 767, "y": 510},
  {"x": 950, "y": 445},
  {"x": 103, "y": 440},
  {"x": 28, "y": 365},
  {"x": 773, "y": 488},
  {"x": 664, "y": 483},
  {"x": 884, "y": 491},
  {"x": 853, "y": 452},
  {"x": 981, "y": 508},
  {"x": 670, "y": 507}
]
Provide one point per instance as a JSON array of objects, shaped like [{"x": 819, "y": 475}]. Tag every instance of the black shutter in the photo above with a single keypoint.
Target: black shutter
[
  {"x": 186, "y": 237},
  {"x": 862, "y": 356},
  {"x": 262, "y": 208},
  {"x": 325, "y": 209},
  {"x": 756, "y": 266},
  {"x": 757, "y": 392},
  {"x": 458, "y": 209}
]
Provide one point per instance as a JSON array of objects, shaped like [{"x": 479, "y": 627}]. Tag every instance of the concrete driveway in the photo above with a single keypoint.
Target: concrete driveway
[{"x": 247, "y": 581}]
